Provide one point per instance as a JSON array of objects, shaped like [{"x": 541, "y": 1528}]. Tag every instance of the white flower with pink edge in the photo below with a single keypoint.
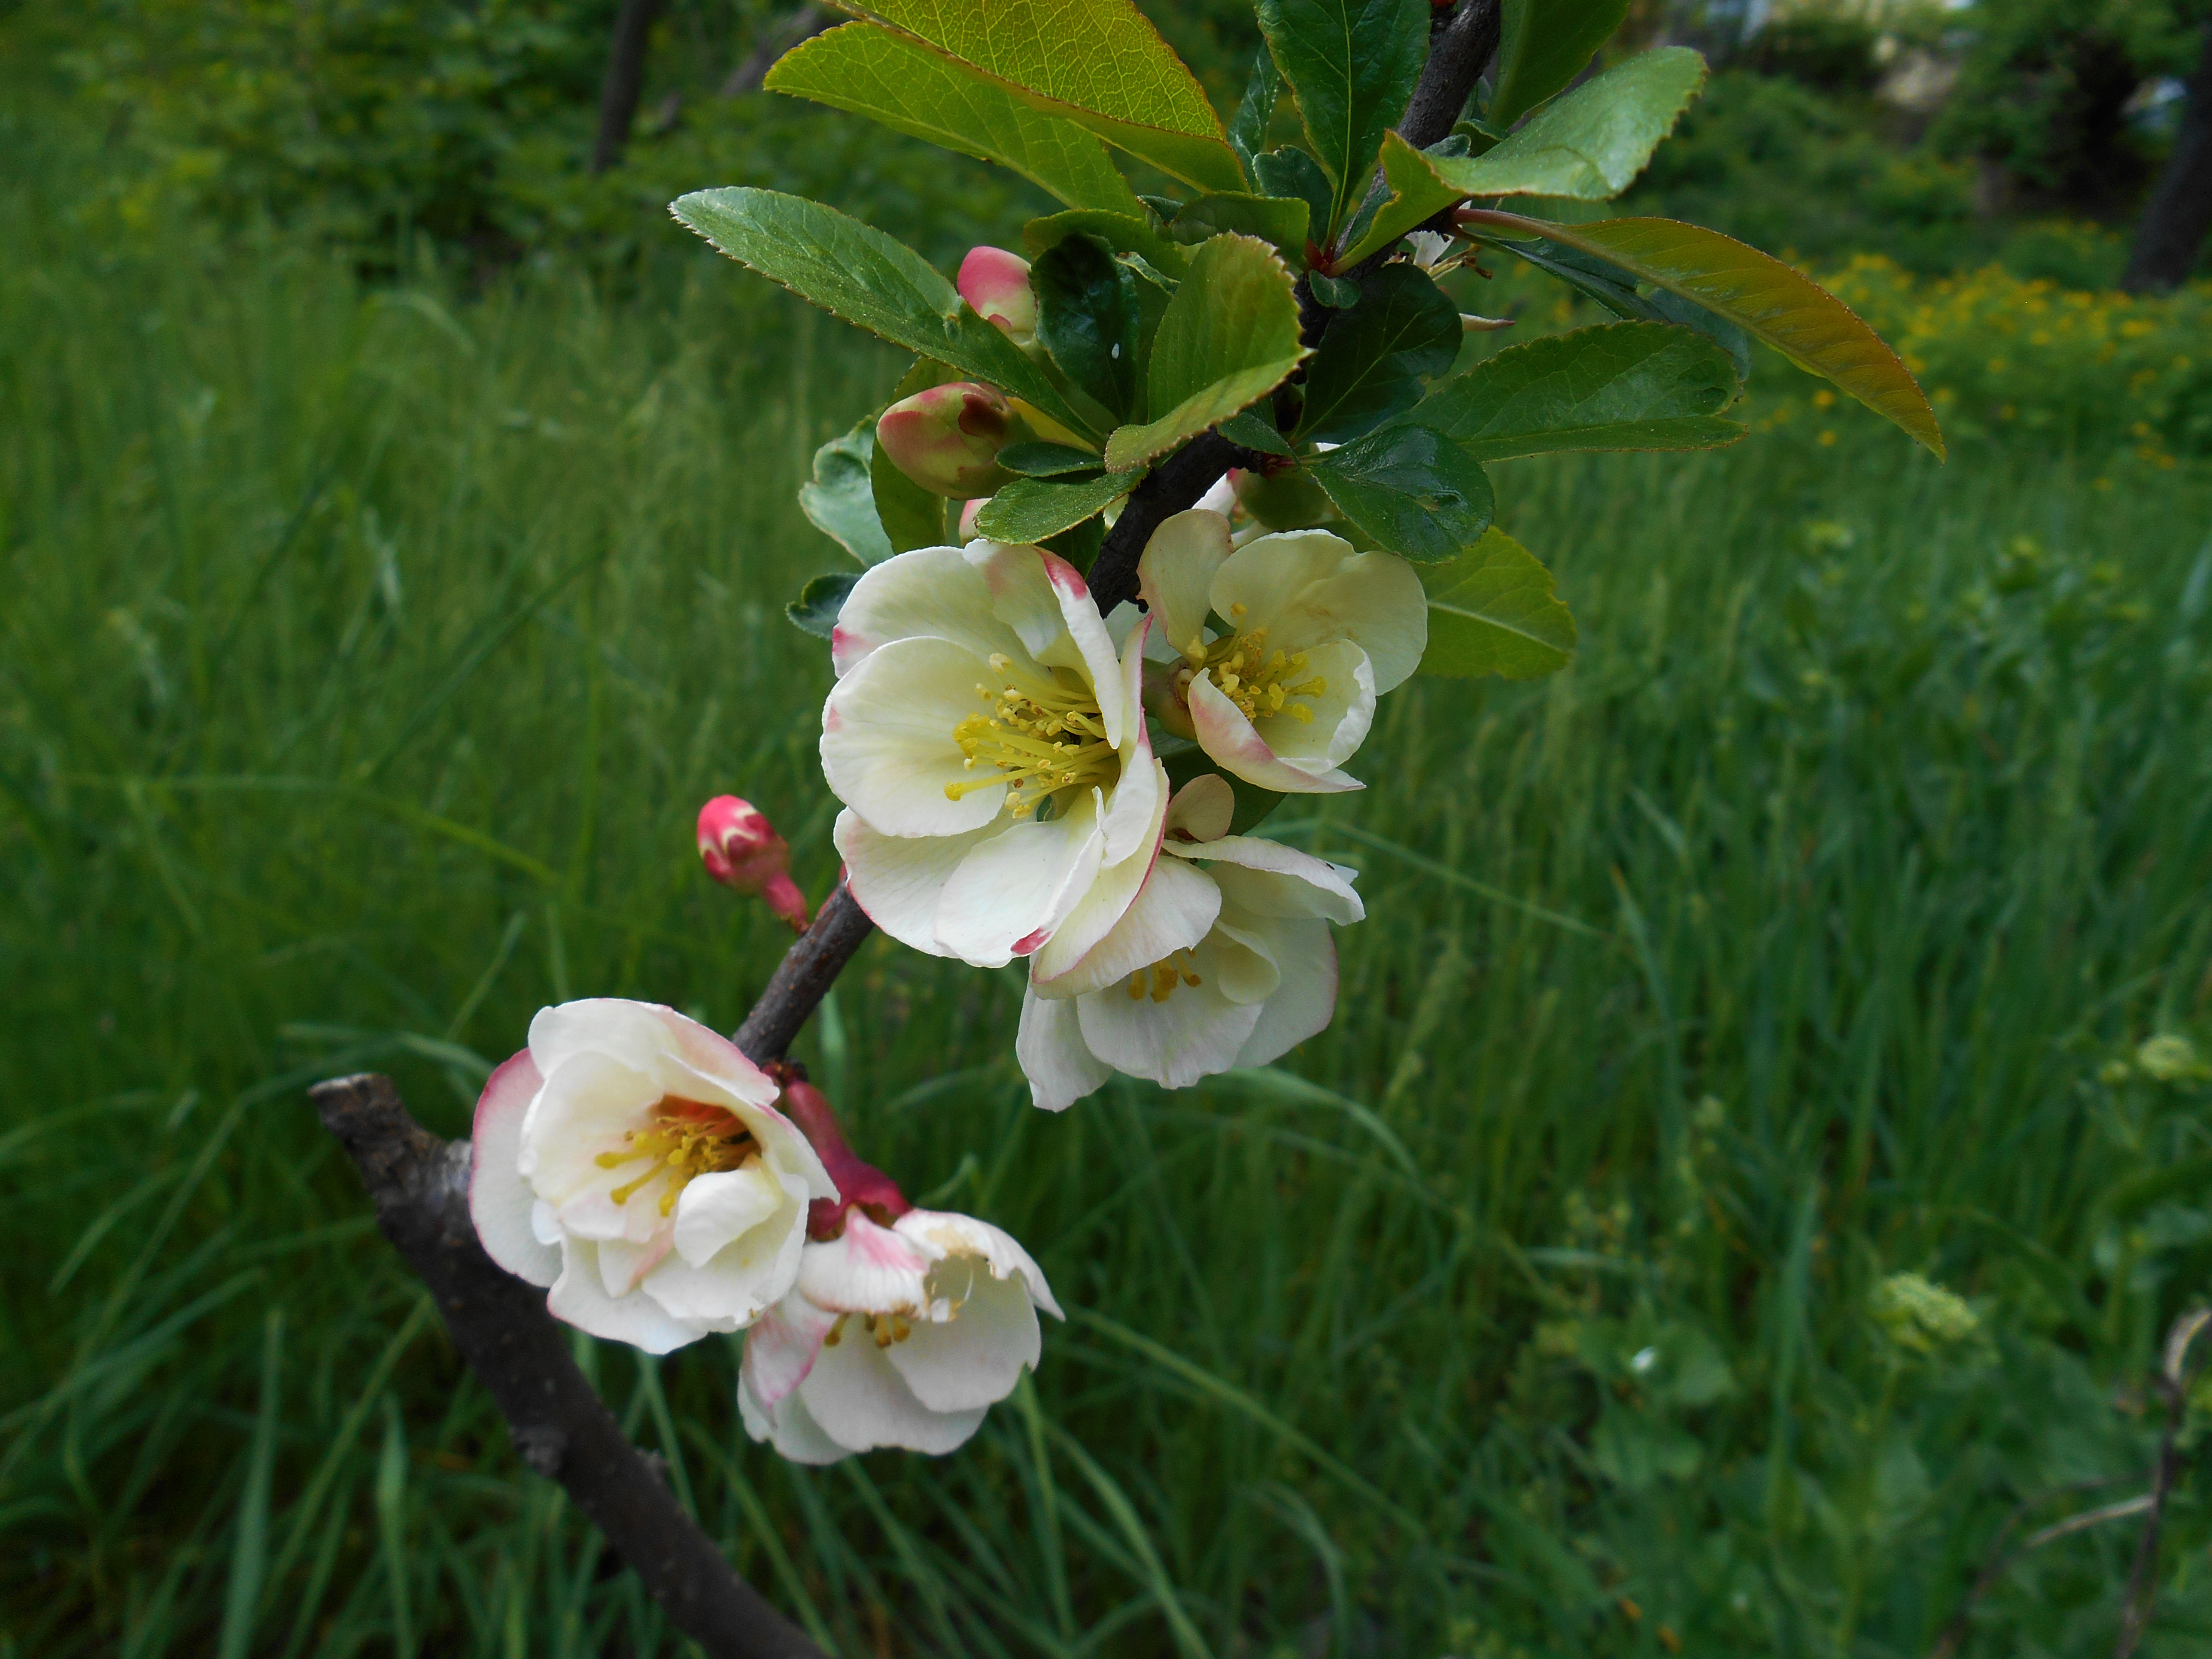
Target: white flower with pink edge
[
  {"x": 902, "y": 1336},
  {"x": 1314, "y": 631},
  {"x": 987, "y": 735},
  {"x": 1226, "y": 959},
  {"x": 633, "y": 1160}
]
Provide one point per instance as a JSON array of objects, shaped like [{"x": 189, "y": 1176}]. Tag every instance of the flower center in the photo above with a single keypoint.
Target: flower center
[
  {"x": 1044, "y": 734},
  {"x": 1259, "y": 681},
  {"x": 1159, "y": 980},
  {"x": 688, "y": 1138}
]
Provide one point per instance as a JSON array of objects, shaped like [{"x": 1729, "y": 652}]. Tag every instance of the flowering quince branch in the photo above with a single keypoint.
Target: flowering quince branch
[{"x": 1194, "y": 455}]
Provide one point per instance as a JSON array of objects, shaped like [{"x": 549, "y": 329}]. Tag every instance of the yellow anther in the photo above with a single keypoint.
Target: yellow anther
[
  {"x": 1044, "y": 734},
  {"x": 688, "y": 1138}
]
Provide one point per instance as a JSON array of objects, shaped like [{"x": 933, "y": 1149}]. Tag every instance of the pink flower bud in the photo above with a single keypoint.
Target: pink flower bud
[
  {"x": 860, "y": 1185},
  {"x": 997, "y": 284},
  {"x": 947, "y": 439},
  {"x": 968, "y": 514},
  {"x": 741, "y": 849}
]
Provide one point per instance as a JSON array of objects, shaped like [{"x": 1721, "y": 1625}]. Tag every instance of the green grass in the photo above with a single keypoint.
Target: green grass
[{"x": 363, "y": 660}]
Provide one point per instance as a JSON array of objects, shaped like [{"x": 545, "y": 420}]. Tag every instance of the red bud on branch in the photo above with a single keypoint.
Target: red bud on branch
[{"x": 740, "y": 848}]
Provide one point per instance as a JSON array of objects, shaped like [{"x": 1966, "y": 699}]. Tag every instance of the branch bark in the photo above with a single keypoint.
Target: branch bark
[
  {"x": 804, "y": 976},
  {"x": 1173, "y": 486},
  {"x": 625, "y": 80},
  {"x": 420, "y": 1186},
  {"x": 2180, "y": 209}
]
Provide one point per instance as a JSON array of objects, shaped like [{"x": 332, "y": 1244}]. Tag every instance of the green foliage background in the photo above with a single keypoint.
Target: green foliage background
[{"x": 377, "y": 617}]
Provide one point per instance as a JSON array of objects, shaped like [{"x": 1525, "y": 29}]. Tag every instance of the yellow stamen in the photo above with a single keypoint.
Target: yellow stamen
[
  {"x": 1259, "y": 681},
  {"x": 1044, "y": 734},
  {"x": 1159, "y": 980},
  {"x": 688, "y": 1138}
]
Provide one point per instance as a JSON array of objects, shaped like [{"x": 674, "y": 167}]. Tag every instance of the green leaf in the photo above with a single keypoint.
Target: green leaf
[
  {"x": 911, "y": 516},
  {"x": 1228, "y": 338},
  {"x": 1543, "y": 45},
  {"x": 1279, "y": 221},
  {"x": 1087, "y": 319},
  {"x": 1492, "y": 611},
  {"x": 840, "y": 502},
  {"x": 1039, "y": 460},
  {"x": 1254, "y": 431},
  {"x": 1374, "y": 358},
  {"x": 1248, "y": 128},
  {"x": 897, "y": 81},
  {"x": 869, "y": 280},
  {"x": 1588, "y": 146},
  {"x": 1416, "y": 492},
  {"x": 1029, "y": 509},
  {"x": 1289, "y": 172},
  {"x": 1138, "y": 233},
  {"x": 1099, "y": 63},
  {"x": 1622, "y": 386},
  {"x": 1079, "y": 545},
  {"x": 1791, "y": 313},
  {"x": 1353, "y": 64},
  {"x": 819, "y": 603}
]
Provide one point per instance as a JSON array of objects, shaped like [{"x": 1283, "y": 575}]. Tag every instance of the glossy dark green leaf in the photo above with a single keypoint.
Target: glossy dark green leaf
[
  {"x": 1292, "y": 172},
  {"x": 1373, "y": 361},
  {"x": 1492, "y": 611},
  {"x": 1030, "y": 509},
  {"x": 1416, "y": 492},
  {"x": 819, "y": 603},
  {"x": 1621, "y": 385},
  {"x": 1248, "y": 128},
  {"x": 1353, "y": 64},
  {"x": 1087, "y": 320},
  {"x": 1037, "y": 460},
  {"x": 1542, "y": 46},
  {"x": 840, "y": 501},
  {"x": 1124, "y": 232},
  {"x": 1255, "y": 431},
  {"x": 1279, "y": 221},
  {"x": 911, "y": 516}
]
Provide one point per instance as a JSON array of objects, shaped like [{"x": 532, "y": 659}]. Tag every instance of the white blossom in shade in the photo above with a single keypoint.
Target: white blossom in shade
[
  {"x": 1226, "y": 959},
  {"x": 987, "y": 735},
  {"x": 1272, "y": 655},
  {"x": 902, "y": 1336},
  {"x": 633, "y": 1160}
]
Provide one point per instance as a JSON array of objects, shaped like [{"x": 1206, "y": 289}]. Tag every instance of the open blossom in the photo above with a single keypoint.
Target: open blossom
[
  {"x": 632, "y": 1160},
  {"x": 988, "y": 741},
  {"x": 902, "y": 1336},
  {"x": 1224, "y": 959},
  {"x": 1317, "y": 631}
]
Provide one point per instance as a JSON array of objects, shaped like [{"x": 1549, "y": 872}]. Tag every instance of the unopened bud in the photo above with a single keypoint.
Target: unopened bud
[
  {"x": 947, "y": 439},
  {"x": 860, "y": 1185},
  {"x": 740, "y": 848},
  {"x": 1286, "y": 500},
  {"x": 996, "y": 283},
  {"x": 969, "y": 515}
]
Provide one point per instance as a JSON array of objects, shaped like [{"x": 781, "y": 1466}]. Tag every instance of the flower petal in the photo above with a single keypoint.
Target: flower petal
[
  {"x": 1019, "y": 884},
  {"x": 1061, "y": 1067},
  {"x": 1376, "y": 601},
  {"x": 1172, "y": 912},
  {"x": 865, "y": 1269},
  {"x": 900, "y": 880},
  {"x": 955, "y": 1237},
  {"x": 1269, "y": 879},
  {"x": 788, "y": 1426},
  {"x": 1304, "y": 999},
  {"x": 1196, "y": 1032},
  {"x": 1110, "y": 894},
  {"x": 860, "y": 1400},
  {"x": 1240, "y": 961},
  {"x": 888, "y": 745},
  {"x": 1229, "y": 740},
  {"x": 1175, "y": 577},
  {"x": 781, "y": 1346},
  {"x": 1046, "y": 602},
  {"x": 1268, "y": 573},
  {"x": 1341, "y": 713},
  {"x": 973, "y": 1360},
  {"x": 580, "y": 1297},
  {"x": 931, "y": 593},
  {"x": 586, "y": 1105},
  {"x": 717, "y": 1209},
  {"x": 500, "y": 1200},
  {"x": 1201, "y": 810}
]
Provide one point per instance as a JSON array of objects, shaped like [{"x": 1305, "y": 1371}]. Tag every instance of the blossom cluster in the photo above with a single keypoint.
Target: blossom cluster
[{"x": 1023, "y": 778}]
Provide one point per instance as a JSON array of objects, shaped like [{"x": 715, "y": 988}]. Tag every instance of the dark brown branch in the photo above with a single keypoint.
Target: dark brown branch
[
  {"x": 1455, "y": 65},
  {"x": 562, "y": 1428},
  {"x": 2143, "y": 1576},
  {"x": 1174, "y": 485},
  {"x": 625, "y": 80},
  {"x": 804, "y": 977}
]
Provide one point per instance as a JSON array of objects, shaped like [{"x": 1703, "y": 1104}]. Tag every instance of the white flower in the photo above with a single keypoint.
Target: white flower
[
  {"x": 1428, "y": 248},
  {"x": 902, "y": 1336},
  {"x": 1226, "y": 959},
  {"x": 1315, "y": 632},
  {"x": 632, "y": 1160},
  {"x": 989, "y": 744}
]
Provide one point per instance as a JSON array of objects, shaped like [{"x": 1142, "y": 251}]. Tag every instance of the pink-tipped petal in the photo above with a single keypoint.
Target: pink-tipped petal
[{"x": 500, "y": 1200}]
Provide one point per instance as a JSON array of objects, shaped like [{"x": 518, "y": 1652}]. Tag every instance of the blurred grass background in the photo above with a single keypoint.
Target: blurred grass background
[{"x": 1762, "y": 1142}]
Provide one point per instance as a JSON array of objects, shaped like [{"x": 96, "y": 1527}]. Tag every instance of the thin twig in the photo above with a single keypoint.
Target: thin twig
[
  {"x": 560, "y": 1425},
  {"x": 804, "y": 977},
  {"x": 2143, "y": 1576},
  {"x": 2001, "y": 1559}
]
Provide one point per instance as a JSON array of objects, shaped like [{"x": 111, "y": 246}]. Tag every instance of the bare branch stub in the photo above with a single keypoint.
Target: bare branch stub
[{"x": 563, "y": 1431}]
